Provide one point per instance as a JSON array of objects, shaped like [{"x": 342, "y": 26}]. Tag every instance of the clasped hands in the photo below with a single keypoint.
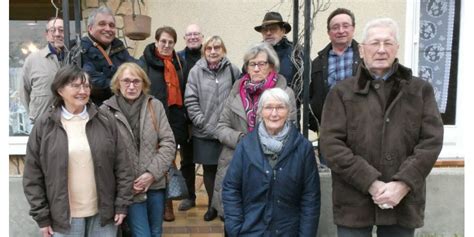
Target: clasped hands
[
  {"x": 142, "y": 183},
  {"x": 388, "y": 195}
]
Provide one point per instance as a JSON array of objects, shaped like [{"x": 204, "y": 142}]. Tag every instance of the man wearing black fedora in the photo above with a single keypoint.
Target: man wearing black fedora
[{"x": 273, "y": 30}]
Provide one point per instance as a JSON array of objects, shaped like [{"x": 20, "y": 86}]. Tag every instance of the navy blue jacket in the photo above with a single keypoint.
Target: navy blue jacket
[
  {"x": 99, "y": 70},
  {"x": 283, "y": 201}
]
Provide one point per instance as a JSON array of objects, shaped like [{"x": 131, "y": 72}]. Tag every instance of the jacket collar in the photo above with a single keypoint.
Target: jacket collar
[
  {"x": 364, "y": 77},
  {"x": 325, "y": 52},
  {"x": 202, "y": 63},
  {"x": 153, "y": 61},
  {"x": 56, "y": 111},
  {"x": 254, "y": 150}
]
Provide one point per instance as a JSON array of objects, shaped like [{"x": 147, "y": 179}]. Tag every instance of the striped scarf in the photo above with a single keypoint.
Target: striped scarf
[{"x": 250, "y": 94}]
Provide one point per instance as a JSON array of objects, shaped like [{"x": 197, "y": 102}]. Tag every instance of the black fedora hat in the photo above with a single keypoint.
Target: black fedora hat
[{"x": 273, "y": 18}]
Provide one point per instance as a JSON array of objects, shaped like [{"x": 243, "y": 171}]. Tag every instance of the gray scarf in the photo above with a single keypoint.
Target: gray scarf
[
  {"x": 272, "y": 145},
  {"x": 131, "y": 111}
]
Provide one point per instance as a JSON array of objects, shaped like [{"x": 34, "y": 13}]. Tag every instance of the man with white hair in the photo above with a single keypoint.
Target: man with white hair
[
  {"x": 381, "y": 134},
  {"x": 102, "y": 52},
  {"x": 39, "y": 70},
  {"x": 191, "y": 54}
]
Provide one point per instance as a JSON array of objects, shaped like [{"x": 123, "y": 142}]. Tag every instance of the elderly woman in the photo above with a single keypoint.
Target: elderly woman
[
  {"x": 272, "y": 185},
  {"x": 77, "y": 178},
  {"x": 142, "y": 122},
  {"x": 240, "y": 111},
  {"x": 165, "y": 70},
  {"x": 209, "y": 84}
]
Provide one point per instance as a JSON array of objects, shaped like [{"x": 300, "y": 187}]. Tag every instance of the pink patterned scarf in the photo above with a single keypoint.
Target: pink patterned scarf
[{"x": 250, "y": 93}]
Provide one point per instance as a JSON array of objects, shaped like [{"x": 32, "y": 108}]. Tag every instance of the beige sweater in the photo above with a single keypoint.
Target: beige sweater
[{"x": 81, "y": 178}]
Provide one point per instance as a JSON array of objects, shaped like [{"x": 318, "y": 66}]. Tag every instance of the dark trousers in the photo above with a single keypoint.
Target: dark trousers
[
  {"x": 382, "y": 231},
  {"x": 209, "y": 178},
  {"x": 188, "y": 167}
]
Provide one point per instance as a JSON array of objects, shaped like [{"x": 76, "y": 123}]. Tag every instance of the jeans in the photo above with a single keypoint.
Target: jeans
[
  {"x": 88, "y": 226},
  {"x": 382, "y": 231},
  {"x": 145, "y": 219}
]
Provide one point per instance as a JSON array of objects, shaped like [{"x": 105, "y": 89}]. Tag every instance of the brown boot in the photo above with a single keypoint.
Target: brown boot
[{"x": 169, "y": 214}]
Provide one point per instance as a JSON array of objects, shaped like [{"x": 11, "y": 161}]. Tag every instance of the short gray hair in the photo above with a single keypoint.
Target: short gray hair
[
  {"x": 273, "y": 93},
  {"x": 380, "y": 22},
  {"x": 272, "y": 56},
  {"x": 101, "y": 10}
]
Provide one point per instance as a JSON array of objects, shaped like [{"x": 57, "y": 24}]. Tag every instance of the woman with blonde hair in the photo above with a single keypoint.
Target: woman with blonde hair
[
  {"x": 209, "y": 84},
  {"x": 142, "y": 122}
]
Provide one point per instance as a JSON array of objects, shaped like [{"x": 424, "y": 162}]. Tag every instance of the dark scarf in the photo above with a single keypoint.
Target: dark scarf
[
  {"x": 250, "y": 94},
  {"x": 131, "y": 111},
  {"x": 214, "y": 67},
  {"x": 58, "y": 52}
]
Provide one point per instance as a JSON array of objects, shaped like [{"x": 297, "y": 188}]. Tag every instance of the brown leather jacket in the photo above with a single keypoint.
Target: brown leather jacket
[
  {"x": 367, "y": 136},
  {"x": 45, "y": 180}
]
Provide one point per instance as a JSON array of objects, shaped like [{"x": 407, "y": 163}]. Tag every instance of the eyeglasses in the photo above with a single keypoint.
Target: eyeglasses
[
  {"x": 272, "y": 28},
  {"x": 127, "y": 82},
  {"x": 262, "y": 64},
  {"x": 215, "y": 47},
  {"x": 165, "y": 42},
  {"x": 336, "y": 27},
  {"x": 270, "y": 109},
  {"x": 77, "y": 87},
  {"x": 192, "y": 34},
  {"x": 374, "y": 45},
  {"x": 52, "y": 30}
]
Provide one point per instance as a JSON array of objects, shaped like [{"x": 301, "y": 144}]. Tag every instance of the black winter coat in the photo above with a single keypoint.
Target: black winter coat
[
  {"x": 319, "y": 86},
  {"x": 154, "y": 67}
]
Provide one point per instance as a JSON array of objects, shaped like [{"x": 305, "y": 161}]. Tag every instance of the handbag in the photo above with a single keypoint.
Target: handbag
[{"x": 176, "y": 188}]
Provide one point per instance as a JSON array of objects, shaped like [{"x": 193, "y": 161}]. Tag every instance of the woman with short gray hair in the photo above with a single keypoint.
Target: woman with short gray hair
[
  {"x": 239, "y": 116},
  {"x": 272, "y": 164}
]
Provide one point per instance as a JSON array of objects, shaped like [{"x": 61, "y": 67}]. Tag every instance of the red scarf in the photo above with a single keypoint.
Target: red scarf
[
  {"x": 250, "y": 94},
  {"x": 171, "y": 79}
]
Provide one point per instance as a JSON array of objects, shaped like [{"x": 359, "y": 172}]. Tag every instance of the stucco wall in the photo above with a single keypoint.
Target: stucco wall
[{"x": 234, "y": 20}]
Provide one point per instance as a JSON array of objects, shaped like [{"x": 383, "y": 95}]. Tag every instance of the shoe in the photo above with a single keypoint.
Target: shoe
[
  {"x": 210, "y": 215},
  {"x": 186, "y": 204},
  {"x": 169, "y": 213}
]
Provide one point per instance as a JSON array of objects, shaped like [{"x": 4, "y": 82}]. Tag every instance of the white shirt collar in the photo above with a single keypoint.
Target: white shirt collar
[{"x": 68, "y": 116}]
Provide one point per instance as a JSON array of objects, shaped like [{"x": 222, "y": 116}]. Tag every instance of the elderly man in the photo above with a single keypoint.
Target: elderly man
[
  {"x": 39, "y": 70},
  {"x": 273, "y": 30},
  {"x": 336, "y": 62},
  {"x": 191, "y": 54},
  {"x": 102, "y": 52},
  {"x": 381, "y": 134}
]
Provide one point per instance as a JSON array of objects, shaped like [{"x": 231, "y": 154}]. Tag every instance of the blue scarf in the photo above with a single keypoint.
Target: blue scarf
[{"x": 272, "y": 145}]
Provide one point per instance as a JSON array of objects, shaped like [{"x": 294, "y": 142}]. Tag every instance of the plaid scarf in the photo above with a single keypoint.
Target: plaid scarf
[{"x": 250, "y": 94}]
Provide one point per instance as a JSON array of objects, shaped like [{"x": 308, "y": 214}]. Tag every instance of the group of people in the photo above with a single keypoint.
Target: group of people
[{"x": 106, "y": 132}]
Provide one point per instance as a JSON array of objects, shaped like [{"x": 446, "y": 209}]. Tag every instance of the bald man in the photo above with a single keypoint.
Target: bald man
[{"x": 191, "y": 54}]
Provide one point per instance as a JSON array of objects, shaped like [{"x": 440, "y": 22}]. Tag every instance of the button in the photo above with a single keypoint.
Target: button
[
  {"x": 267, "y": 171},
  {"x": 387, "y": 120},
  {"x": 377, "y": 86}
]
